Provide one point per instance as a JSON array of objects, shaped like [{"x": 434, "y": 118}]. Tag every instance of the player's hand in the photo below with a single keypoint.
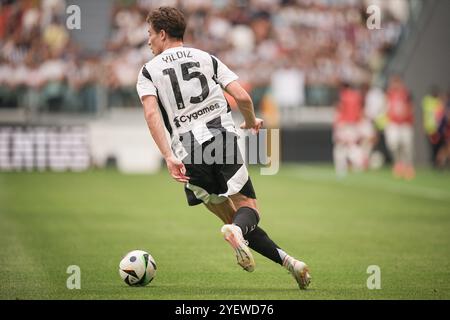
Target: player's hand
[
  {"x": 255, "y": 126},
  {"x": 177, "y": 169}
]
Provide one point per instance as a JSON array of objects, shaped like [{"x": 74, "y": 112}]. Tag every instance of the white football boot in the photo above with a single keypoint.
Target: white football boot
[
  {"x": 233, "y": 235},
  {"x": 299, "y": 271}
]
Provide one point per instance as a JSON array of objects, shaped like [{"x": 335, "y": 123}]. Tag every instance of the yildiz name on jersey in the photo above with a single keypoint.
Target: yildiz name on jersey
[
  {"x": 228, "y": 148},
  {"x": 195, "y": 115}
]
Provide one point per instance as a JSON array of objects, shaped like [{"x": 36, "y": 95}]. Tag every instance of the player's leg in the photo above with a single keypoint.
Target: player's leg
[
  {"x": 257, "y": 238},
  {"x": 339, "y": 153},
  {"x": 260, "y": 242},
  {"x": 408, "y": 150},
  {"x": 355, "y": 151},
  {"x": 368, "y": 139},
  {"x": 232, "y": 233},
  {"x": 225, "y": 211},
  {"x": 246, "y": 212},
  {"x": 340, "y": 159},
  {"x": 356, "y": 156},
  {"x": 392, "y": 140}
]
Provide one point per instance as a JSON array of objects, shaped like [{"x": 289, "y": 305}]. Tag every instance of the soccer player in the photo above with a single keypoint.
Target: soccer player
[
  {"x": 399, "y": 131},
  {"x": 346, "y": 133},
  {"x": 181, "y": 90}
]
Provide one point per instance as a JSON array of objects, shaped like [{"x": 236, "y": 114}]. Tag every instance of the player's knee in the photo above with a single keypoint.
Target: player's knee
[
  {"x": 247, "y": 219},
  {"x": 240, "y": 200},
  {"x": 249, "y": 210}
]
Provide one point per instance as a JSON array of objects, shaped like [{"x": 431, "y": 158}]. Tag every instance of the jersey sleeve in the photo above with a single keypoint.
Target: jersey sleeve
[
  {"x": 145, "y": 86},
  {"x": 224, "y": 75}
]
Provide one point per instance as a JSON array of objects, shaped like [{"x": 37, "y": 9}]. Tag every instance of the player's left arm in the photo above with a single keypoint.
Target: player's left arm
[
  {"x": 155, "y": 124},
  {"x": 245, "y": 105},
  {"x": 228, "y": 81}
]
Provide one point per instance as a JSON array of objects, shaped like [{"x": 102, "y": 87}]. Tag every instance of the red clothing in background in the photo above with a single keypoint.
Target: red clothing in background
[
  {"x": 399, "y": 108},
  {"x": 5, "y": 13},
  {"x": 350, "y": 107}
]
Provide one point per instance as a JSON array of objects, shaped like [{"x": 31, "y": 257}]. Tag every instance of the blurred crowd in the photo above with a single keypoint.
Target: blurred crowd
[
  {"x": 374, "y": 124},
  {"x": 40, "y": 65},
  {"x": 296, "y": 50},
  {"x": 291, "y": 52}
]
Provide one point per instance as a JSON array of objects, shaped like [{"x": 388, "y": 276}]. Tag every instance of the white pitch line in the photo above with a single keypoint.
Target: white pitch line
[{"x": 376, "y": 182}]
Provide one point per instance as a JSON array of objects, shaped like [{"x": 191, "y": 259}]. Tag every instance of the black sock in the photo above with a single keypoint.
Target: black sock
[
  {"x": 260, "y": 242},
  {"x": 247, "y": 219}
]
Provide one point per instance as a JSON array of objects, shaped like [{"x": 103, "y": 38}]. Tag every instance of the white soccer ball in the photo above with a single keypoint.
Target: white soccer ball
[{"x": 137, "y": 268}]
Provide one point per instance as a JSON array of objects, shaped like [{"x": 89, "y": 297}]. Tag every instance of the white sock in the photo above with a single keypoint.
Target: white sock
[{"x": 282, "y": 254}]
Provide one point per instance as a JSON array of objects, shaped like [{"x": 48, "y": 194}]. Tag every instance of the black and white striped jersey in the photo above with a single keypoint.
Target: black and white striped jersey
[{"x": 188, "y": 83}]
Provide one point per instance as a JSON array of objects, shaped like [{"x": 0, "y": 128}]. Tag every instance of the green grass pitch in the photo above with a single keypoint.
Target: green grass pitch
[{"x": 49, "y": 221}]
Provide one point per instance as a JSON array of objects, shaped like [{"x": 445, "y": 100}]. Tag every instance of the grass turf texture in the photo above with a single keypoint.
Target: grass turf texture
[{"x": 49, "y": 221}]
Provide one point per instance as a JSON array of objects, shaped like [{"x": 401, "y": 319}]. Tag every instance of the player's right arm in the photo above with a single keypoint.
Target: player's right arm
[
  {"x": 176, "y": 167},
  {"x": 245, "y": 105}
]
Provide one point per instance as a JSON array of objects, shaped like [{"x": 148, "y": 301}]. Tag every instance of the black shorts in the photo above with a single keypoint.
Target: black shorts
[{"x": 214, "y": 181}]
